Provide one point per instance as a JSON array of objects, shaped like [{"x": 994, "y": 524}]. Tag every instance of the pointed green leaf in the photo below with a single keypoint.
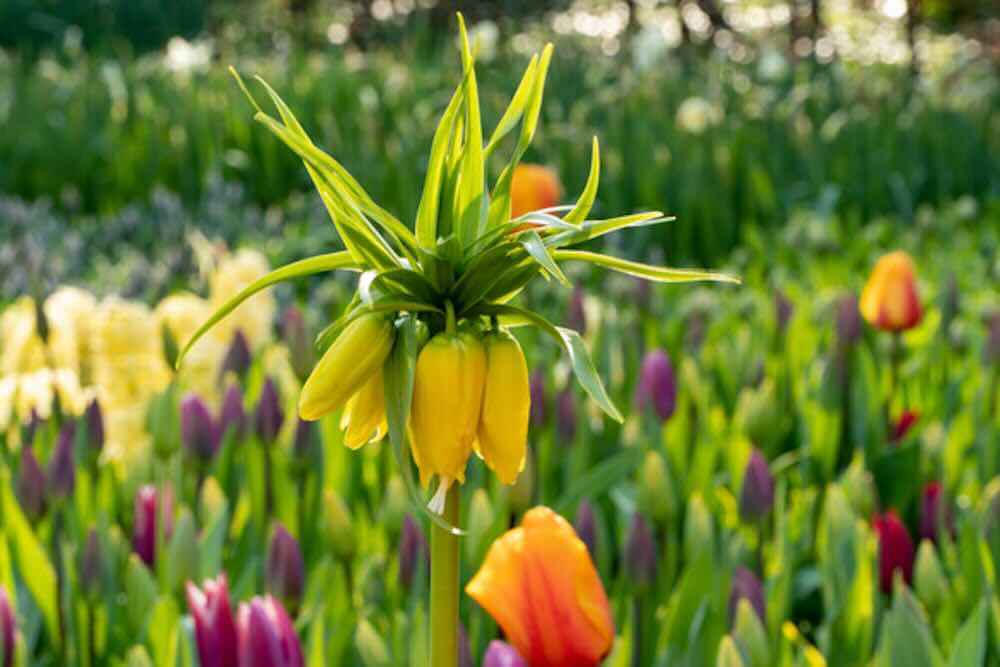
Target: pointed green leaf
[
  {"x": 427, "y": 211},
  {"x": 516, "y": 107},
  {"x": 970, "y": 644},
  {"x": 532, "y": 242},
  {"x": 586, "y": 200},
  {"x": 472, "y": 179},
  {"x": 592, "y": 229},
  {"x": 660, "y": 274}
]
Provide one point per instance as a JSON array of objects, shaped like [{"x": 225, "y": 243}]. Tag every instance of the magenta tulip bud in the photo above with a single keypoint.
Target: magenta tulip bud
[
  {"x": 199, "y": 432},
  {"x": 566, "y": 416},
  {"x": 8, "y": 629},
  {"x": 903, "y": 425},
  {"x": 502, "y": 654},
  {"x": 270, "y": 414},
  {"x": 232, "y": 417},
  {"x": 657, "y": 390},
  {"x": 746, "y": 585},
  {"x": 585, "y": 525},
  {"x": 895, "y": 549},
  {"x": 237, "y": 359},
  {"x": 31, "y": 485},
  {"x": 757, "y": 495},
  {"x": 62, "y": 468},
  {"x": 935, "y": 511},
  {"x": 640, "y": 557},
  {"x": 214, "y": 627},
  {"x": 302, "y": 445},
  {"x": 147, "y": 513},
  {"x": 286, "y": 570},
  {"x": 300, "y": 347},
  {"x": 536, "y": 387},
  {"x": 576, "y": 317},
  {"x": 412, "y": 552},
  {"x": 93, "y": 418},
  {"x": 849, "y": 326},
  {"x": 266, "y": 635}
]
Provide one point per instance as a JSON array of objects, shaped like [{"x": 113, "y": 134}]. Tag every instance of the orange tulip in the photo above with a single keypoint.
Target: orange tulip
[
  {"x": 532, "y": 188},
  {"x": 539, "y": 584},
  {"x": 890, "y": 300}
]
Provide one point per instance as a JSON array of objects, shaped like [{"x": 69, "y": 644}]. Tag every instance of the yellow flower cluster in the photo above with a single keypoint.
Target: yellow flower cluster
[
  {"x": 255, "y": 316},
  {"x": 181, "y": 314}
]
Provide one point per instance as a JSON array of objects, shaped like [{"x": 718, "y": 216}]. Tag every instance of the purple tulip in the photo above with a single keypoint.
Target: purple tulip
[
  {"x": 199, "y": 432},
  {"x": 502, "y": 654},
  {"x": 286, "y": 576},
  {"x": 266, "y": 635},
  {"x": 640, "y": 557},
  {"x": 657, "y": 388},
  {"x": 270, "y": 414},
  {"x": 62, "y": 468},
  {"x": 237, "y": 359},
  {"x": 412, "y": 551},
  {"x": 147, "y": 513},
  {"x": 566, "y": 416},
  {"x": 849, "y": 325},
  {"x": 585, "y": 525},
  {"x": 757, "y": 495},
  {"x": 935, "y": 511},
  {"x": 31, "y": 485},
  {"x": 745, "y": 584},
  {"x": 93, "y": 419},
  {"x": 576, "y": 317},
  {"x": 302, "y": 444},
  {"x": 538, "y": 399},
  {"x": 232, "y": 417},
  {"x": 214, "y": 627},
  {"x": 8, "y": 629},
  {"x": 91, "y": 564}
]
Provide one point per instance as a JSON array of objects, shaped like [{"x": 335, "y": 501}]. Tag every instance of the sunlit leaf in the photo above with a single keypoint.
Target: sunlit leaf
[
  {"x": 586, "y": 201},
  {"x": 660, "y": 274}
]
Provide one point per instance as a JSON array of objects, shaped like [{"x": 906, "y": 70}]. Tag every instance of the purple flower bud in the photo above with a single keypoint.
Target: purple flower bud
[
  {"x": 302, "y": 445},
  {"x": 745, "y": 584},
  {"x": 412, "y": 552},
  {"x": 62, "y": 468},
  {"x": 93, "y": 418},
  {"x": 586, "y": 526},
  {"x": 270, "y": 414},
  {"x": 464, "y": 650},
  {"x": 8, "y": 629},
  {"x": 657, "y": 388},
  {"x": 566, "y": 416},
  {"x": 31, "y": 485},
  {"x": 640, "y": 556},
  {"x": 147, "y": 513},
  {"x": 92, "y": 565},
  {"x": 237, "y": 359},
  {"x": 198, "y": 430},
  {"x": 300, "y": 348},
  {"x": 266, "y": 635},
  {"x": 757, "y": 496},
  {"x": 935, "y": 511},
  {"x": 576, "y": 318},
  {"x": 31, "y": 428},
  {"x": 502, "y": 654},
  {"x": 232, "y": 417},
  {"x": 214, "y": 627},
  {"x": 286, "y": 576},
  {"x": 538, "y": 399},
  {"x": 849, "y": 325},
  {"x": 783, "y": 311},
  {"x": 991, "y": 350}
]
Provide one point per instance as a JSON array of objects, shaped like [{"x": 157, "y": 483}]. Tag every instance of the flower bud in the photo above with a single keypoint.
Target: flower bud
[
  {"x": 502, "y": 654},
  {"x": 895, "y": 549},
  {"x": 889, "y": 300},
  {"x": 138, "y": 657},
  {"x": 340, "y": 529},
  {"x": 304, "y": 440},
  {"x": 640, "y": 558},
  {"x": 935, "y": 511},
  {"x": 585, "y": 525},
  {"x": 94, "y": 421},
  {"x": 929, "y": 580},
  {"x": 903, "y": 425},
  {"x": 413, "y": 553},
  {"x": 657, "y": 389},
  {"x": 783, "y": 311},
  {"x": 266, "y": 637},
  {"x": 533, "y": 187},
  {"x": 699, "y": 532},
  {"x": 232, "y": 417},
  {"x": 8, "y": 630},
  {"x": 199, "y": 432},
  {"x": 286, "y": 577},
  {"x": 364, "y": 417},
  {"x": 848, "y": 320},
  {"x": 566, "y": 416},
  {"x": 214, "y": 627},
  {"x": 168, "y": 345},
  {"x": 464, "y": 650},
  {"x": 91, "y": 565},
  {"x": 350, "y": 361},
  {"x": 991, "y": 349},
  {"x": 300, "y": 348},
  {"x": 237, "y": 359},
  {"x": 269, "y": 414},
  {"x": 31, "y": 485},
  {"x": 729, "y": 655},
  {"x": 751, "y": 632},
  {"x": 656, "y": 489},
  {"x": 746, "y": 586},
  {"x": 538, "y": 398},
  {"x": 757, "y": 494},
  {"x": 147, "y": 515},
  {"x": 576, "y": 315},
  {"x": 62, "y": 468},
  {"x": 859, "y": 485},
  {"x": 31, "y": 428},
  {"x": 372, "y": 649},
  {"x": 503, "y": 421}
]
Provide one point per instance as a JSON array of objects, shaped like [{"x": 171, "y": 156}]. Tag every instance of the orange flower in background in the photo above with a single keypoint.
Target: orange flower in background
[
  {"x": 890, "y": 300},
  {"x": 539, "y": 585},
  {"x": 533, "y": 187}
]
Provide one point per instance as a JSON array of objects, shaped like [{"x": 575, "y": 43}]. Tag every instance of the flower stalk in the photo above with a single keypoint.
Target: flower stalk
[{"x": 444, "y": 586}]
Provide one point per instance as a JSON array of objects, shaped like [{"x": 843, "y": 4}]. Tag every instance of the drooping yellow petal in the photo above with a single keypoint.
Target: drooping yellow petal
[
  {"x": 364, "y": 417},
  {"x": 503, "y": 422}
]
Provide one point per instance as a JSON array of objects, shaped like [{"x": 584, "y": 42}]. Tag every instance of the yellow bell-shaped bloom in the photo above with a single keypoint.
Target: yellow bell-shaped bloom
[
  {"x": 352, "y": 359},
  {"x": 503, "y": 422},
  {"x": 447, "y": 395},
  {"x": 364, "y": 417}
]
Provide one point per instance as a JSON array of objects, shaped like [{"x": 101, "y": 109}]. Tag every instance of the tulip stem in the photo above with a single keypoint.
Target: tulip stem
[{"x": 444, "y": 586}]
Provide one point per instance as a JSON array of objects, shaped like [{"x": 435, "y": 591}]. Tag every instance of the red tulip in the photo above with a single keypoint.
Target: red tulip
[
  {"x": 889, "y": 300},
  {"x": 904, "y": 424},
  {"x": 895, "y": 549}
]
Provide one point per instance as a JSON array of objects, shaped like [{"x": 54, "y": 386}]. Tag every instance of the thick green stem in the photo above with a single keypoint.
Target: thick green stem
[
  {"x": 444, "y": 587},
  {"x": 450, "y": 323}
]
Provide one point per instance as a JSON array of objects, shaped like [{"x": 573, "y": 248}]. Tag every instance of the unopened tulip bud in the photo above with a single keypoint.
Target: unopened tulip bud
[
  {"x": 31, "y": 485},
  {"x": 138, "y": 657},
  {"x": 8, "y": 630},
  {"x": 62, "y": 467},
  {"x": 286, "y": 576},
  {"x": 302, "y": 443},
  {"x": 412, "y": 552},
  {"x": 464, "y": 650},
  {"x": 699, "y": 532},
  {"x": 340, "y": 529},
  {"x": 859, "y": 485},
  {"x": 935, "y": 512},
  {"x": 848, "y": 320},
  {"x": 91, "y": 566},
  {"x": 929, "y": 579},
  {"x": 214, "y": 625},
  {"x": 991, "y": 350},
  {"x": 566, "y": 416},
  {"x": 757, "y": 494},
  {"x": 502, "y": 654},
  {"x": 895, "y": 549},
  {"x": 199, "y": 431},
  {"x": 372, "y": 649},
  {"x": 237, "y": 359},
  {"x": 269, "y": 414},
  {"x": 266, "y": 636},
  {"x": 585, "y": 525},
  {"x": 539, "y": 405},
  {"x": 751, "y": 632},
  {"x": 640, "y": 557},
  {"x": 232, "y": 416},
  {"x": 31, "y": 428},
  {"x": 746, "y": 586},
  {"x": 890, "y": 300},
  {"x": 903, "y": 425},
  {"x": 576, "y": 316},
  {"x": 729, "y": 654},
  {"x": 657, "y": 389},
  {"x": 783, "y": 311},
  {"x": 533, "y": 187},
  {"x": 656, "y": 489},
  {"x": 93, "y": 419},
  {"x": 300, "y": 347},
  {"x": 148, "y": 512}
]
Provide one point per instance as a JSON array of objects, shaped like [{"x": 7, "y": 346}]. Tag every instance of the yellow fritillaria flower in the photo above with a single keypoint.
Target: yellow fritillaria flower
[
  {"x": 503, "y": 425},
  {"x": 364, "y": 417}
]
